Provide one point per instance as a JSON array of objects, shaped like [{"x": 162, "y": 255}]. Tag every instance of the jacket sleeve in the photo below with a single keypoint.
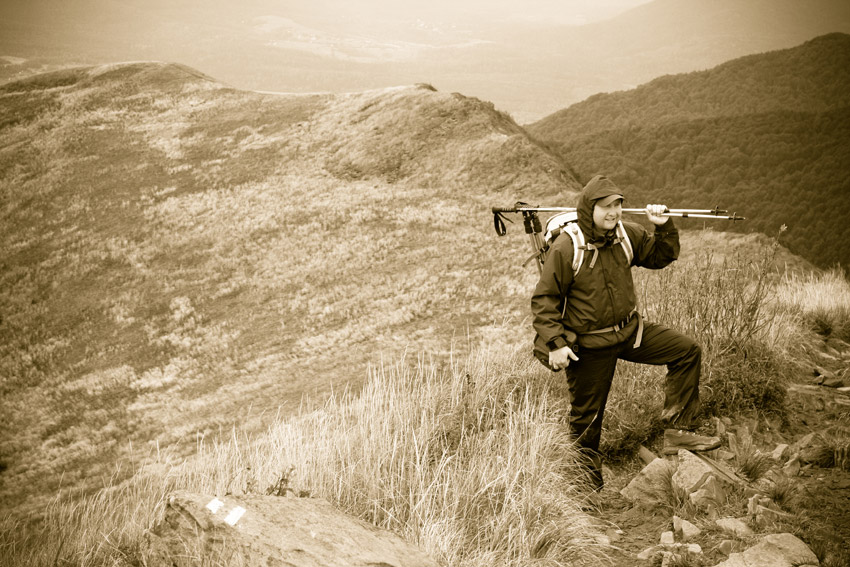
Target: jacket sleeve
[
  {"x": 549, "y": 296},
  {"x": 655, "y": 251}
]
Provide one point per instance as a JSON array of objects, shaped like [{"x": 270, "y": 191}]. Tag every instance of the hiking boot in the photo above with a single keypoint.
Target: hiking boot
[{"x": 675, "y": 439}]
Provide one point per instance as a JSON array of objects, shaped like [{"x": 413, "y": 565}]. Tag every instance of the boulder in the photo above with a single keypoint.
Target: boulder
[
  {"x": 775, "y": 550},
  {"x": 260, "y": 530},
  {"x": 734, "y": 526},
  {"x": 649, "y": 483},
  {"x": 691, "y": 472}
]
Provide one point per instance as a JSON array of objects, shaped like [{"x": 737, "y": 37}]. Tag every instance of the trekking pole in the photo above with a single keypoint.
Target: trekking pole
[
  {"x": 539, "y": 243},
  {"x": 715, "y": 213}
]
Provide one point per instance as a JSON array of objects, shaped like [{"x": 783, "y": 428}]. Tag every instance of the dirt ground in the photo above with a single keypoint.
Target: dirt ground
[{"x": 819, "y": 497}]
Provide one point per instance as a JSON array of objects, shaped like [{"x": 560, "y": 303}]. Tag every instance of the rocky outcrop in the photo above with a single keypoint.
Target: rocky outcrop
[
  {"x": 272, "y": 531},
  {"x": 775, "y": 550}
]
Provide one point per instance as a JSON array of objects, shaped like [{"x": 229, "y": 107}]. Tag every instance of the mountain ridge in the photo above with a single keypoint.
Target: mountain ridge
[
  {"x": 527, "y": 71},
  {"x": 178, "y": 255},
  {"x": 810, "y": 92}
]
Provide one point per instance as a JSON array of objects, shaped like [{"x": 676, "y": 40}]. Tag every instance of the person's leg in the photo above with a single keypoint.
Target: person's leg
[
  {"x": 589, "y": 380},
  {"x": 683, "y": 357}
]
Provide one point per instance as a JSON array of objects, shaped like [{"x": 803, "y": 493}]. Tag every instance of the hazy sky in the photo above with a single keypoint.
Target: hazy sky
[{"x": 532, "y": 11}]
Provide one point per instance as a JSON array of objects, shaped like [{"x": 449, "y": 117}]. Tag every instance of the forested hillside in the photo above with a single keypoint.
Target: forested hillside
[{"x": 766, "y": 135}]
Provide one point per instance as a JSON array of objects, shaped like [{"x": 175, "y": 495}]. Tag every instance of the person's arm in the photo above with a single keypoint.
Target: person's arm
[
  {"x": 547, "y": 304},
  {"x": 657, "y": 250}
]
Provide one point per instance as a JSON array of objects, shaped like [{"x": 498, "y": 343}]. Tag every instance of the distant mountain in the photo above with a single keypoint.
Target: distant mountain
[
  {"x": 527, "y": 70},
  {"x": 767, "y": 135},
  {"x": 177, "y": 256}
]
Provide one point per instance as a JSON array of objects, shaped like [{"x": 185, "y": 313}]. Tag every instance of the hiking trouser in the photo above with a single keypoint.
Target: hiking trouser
[{"x": 589, "y": 380}]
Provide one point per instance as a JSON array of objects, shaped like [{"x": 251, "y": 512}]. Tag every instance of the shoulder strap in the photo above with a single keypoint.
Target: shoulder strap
[
  {"x": 623, "y": 237},
  {"x": 579, "y": 246}
]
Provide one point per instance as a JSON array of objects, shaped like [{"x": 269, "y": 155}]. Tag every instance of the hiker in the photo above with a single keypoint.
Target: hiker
[{"x": 586, "y": 323}]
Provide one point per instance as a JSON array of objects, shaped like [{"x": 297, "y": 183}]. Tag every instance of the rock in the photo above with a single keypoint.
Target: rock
[
  {"x": 725, "y": 546},
  {"x": 648, "y": 553},
  {"x": 833, "y": 382},
  {"x": 649, "y": 483},
  {"x": 780, "y": 453},
  {"x": 724, "y": 455},
  {"x": 792, "y": 467},
  {"x": 684, "y": 529},
  {"x": 823, "y": 373},
  {"x": 691, "y": 472},
  {"x": 710, "y": 497},
  {"x": 269, "y": 530},
  {"x": 734, "y": 526},
  {"x": 667, "y": 538},
  {"x": 804, "y": 441},
  {"x": 766, "y": 516},
  {"x": 646, "y": 455},
  {"x": 775, "y": 550}
]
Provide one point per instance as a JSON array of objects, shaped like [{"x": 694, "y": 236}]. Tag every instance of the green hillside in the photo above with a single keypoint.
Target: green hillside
[
  {"x": 177, "y": 256},
  {"x": 767, "y": 135}
]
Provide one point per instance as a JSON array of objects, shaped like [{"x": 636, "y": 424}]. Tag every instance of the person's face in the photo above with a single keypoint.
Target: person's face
[{"x": 607, "y": 217}]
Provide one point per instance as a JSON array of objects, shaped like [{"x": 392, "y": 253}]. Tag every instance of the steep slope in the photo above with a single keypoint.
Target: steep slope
[
  {"x": 765, "y": 135},
  {"x": 178, "y": 256}
]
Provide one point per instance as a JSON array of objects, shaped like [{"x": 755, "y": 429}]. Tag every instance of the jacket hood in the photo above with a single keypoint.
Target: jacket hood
[{"x": 597, "y": 188}]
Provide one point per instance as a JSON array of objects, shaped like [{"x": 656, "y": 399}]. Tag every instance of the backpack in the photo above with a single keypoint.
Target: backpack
[{"x": 568, "y": 223}]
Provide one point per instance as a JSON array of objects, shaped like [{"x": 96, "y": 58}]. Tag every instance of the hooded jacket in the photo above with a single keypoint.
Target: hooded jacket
[{"x": 566, "y": 307}]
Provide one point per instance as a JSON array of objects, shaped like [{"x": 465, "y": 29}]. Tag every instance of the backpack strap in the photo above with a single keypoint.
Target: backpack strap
[
  {"x": 579, "y": 246},
  {"x": 623, "y": 239}
]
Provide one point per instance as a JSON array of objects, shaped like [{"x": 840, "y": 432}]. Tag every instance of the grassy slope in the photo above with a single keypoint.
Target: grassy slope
[{"x": 178, "y": 256}]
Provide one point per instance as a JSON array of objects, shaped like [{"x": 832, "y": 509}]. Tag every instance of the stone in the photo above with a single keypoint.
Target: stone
[
  {"x": 804, "y": 441},
  {"x": 685, "y": 530},
  {"x": 734, "y": 526},
  {"x": 725, "y": 546},
  {"x": 258, "y": 530},
  {"x": 710, "y": 496},
  {"x": 646, "y": 455},
  {"x": 833, "y": 382},
  {"x": 780, "y": 453},
  {"x": 667, "y": 538},
  {"x": 774, "y": 550},
  {"x": 792, "y": 467},
  {"x": 765, "y": 516},
  {"x": 647, "y": 486},
  {"x": 647, "y": 553},
  {"x": 691, "y": 472}
]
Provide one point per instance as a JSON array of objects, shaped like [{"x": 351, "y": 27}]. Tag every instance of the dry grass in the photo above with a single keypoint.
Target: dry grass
[
  {"x": 200, "y": 244},
  {"x": 473, "y": 463}
]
